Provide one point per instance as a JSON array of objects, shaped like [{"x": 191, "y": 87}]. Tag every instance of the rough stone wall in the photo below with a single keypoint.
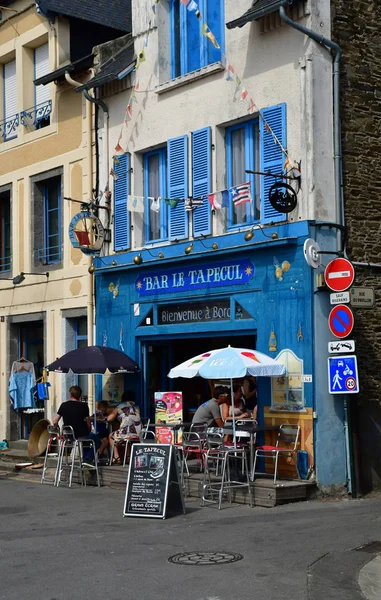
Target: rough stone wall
[{"x": 356, "y": 26}]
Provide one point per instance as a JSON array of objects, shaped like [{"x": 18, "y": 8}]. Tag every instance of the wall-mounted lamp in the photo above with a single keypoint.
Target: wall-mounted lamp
[
  {"x": 250, "y": 234},
  {"x": 214, "y": 246},
  {"x": 138, "y": 259},
  {"x": 189, "y": 248},
  {"x": 21, "y": 277}
]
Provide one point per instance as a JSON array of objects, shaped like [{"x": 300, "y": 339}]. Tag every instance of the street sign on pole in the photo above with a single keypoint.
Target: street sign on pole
[
  {"x": 341, "y": 321},
  {"x": 342, "y": 375},
  {"x": 338, "y": 347},
  {"x": 339, "y": 298},
  {"x": 339, "y": 274},
  {"x": 362, "y": 297}
]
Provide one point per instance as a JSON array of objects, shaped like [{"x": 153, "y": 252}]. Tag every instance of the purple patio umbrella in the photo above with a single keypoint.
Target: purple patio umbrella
[{"x": 94, "y": 359}]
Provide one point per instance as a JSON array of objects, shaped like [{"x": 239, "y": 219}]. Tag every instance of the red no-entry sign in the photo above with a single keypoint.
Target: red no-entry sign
[
  {"x": 341, "y": 321},
  {"x": 339, "y": 274}
]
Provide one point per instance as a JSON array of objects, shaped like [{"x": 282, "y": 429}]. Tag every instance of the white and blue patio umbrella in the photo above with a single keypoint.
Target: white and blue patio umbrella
[{"x": 229, "y": 363}]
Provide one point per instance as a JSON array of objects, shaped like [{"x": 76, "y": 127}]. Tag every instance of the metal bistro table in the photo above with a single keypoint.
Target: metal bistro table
[{"x": 248, "y": 426}]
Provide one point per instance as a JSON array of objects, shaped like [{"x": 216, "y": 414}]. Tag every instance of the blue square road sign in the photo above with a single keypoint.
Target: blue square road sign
[{"x": 342, "y": 375}]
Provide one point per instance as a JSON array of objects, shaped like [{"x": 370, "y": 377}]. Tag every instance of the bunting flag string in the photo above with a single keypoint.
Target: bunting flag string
[
  {"x": 238, "y": 194},
  {"x": 230, "y": 75}
]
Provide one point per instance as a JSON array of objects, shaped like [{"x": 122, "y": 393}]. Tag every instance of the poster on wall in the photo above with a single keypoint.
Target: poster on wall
[{"x": 168, "y": 409}]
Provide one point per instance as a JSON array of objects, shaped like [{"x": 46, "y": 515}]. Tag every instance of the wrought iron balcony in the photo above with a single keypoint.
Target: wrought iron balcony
[
  {"x": 32, "y": 117},
  {"x": 50, "y": 255},
  {"x": 8, "y": 128}
]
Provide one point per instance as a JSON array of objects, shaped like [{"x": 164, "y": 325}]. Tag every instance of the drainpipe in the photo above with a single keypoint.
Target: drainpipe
[
  {"x": 89, "y": 278},
  {"x": 320, "y": 39}
]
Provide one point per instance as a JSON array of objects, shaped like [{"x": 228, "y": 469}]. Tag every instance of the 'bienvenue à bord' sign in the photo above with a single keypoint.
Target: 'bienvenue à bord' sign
[{"x": 235, "y": 272}]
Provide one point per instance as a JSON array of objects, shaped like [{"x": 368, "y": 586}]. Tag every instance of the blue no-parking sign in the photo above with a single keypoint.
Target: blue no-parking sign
[{"x": 342, "y": 375}]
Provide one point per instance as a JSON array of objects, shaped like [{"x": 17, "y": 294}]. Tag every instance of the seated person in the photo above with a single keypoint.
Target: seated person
[
  {"x": 130, "y": 424},
  {"x": 239, "y": 405},
  {"x": 76, "y": 415},
  {"x": 101, "y": 421},
  {"x": 250, "y": 395},
  {"x": 209, "y": 413}
]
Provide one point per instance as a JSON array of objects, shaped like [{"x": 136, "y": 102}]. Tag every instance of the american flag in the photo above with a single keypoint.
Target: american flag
[{"x": 240, "y": 194}]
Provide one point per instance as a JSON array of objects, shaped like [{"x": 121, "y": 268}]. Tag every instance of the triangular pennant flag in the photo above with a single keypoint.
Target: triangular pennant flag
[
  {"x": 192, "y": 5},
  {"x": 133, "y": 97},
  {"x": 129, "y": 111},
  {"x": 208, "y": 34},
  {"x": 118, "y": 147},
  {"x": 287, "y": 163},
  {"x": 116, "y": 161},
  {"x": 146, "y": 41},
  {"x": 213, "y": 201},
  {"x": 137, "y": 85},
  {"x": 198, "y": 15},
  {"x": 114, "y": 175},
  {"x": 172, "y": 202},
  {"x": 252, "y": 106},
  {"x": 244, "y": 94},
  {"x": 185, "y": 2},
  {"x": 231, "y": 69}
]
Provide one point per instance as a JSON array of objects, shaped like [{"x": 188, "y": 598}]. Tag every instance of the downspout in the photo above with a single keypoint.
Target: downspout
[{"x": 323, "y": 41}]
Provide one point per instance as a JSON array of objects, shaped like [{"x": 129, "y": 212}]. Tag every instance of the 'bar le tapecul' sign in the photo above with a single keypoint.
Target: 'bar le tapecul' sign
[{"x": 236, "y": 272}]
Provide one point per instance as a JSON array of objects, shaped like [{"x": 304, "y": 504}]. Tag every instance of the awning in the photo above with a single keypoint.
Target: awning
[{"x": 259, "y": 9}]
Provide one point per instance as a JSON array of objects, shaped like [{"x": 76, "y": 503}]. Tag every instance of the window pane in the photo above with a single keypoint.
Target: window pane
[
  {"x": 82, "y": 326},
  {"x": 176, "y": 67},
  {"x": 238, "y": 170},
  {"x": 52, "y": 195},
  {"x": 193, "y": 42},
  {"x": 5, "y": 232},
  {"x": 154, "y": 191},
  {"x": 53, "y": 222}
]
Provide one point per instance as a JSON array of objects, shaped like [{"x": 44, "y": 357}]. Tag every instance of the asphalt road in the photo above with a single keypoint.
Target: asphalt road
[{"x": 60, "y": 544}]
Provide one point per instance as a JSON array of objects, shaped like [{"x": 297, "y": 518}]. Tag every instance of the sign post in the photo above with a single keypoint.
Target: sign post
[
  {"x": 153, "y": 485},
  {"x": 341, "y": 320},
  {"x": 339, "y": 274}
]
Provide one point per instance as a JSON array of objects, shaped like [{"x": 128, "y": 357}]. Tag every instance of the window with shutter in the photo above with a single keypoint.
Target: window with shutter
[
  {"x": 250, "y": 146},
  {"x": 190, "y": 49},
  {"x": 272, "y": 157},
  {"x": 178, "y": 186},
  {"x": 10, "y": 100},
  {"x": 5, "y": 231},
  {"x": 155, "y": 186},
  {"x": 201, "y": 180},
  {"x": 121, "y": 214},
  {"x": 51, "y": 193},
  {"x": 41, "y": 68},
  {"x": 242, "y": 149}
]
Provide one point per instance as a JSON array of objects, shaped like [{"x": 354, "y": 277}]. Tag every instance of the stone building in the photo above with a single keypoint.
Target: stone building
[{"x": 355, "y": 27}]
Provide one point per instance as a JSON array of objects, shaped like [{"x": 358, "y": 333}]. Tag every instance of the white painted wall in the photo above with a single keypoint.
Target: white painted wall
[{"x": 279, "y": 66}]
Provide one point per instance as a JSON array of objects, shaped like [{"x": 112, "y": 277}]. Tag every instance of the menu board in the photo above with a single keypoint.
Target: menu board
[
  {"x": 168, "y": 409},
  {"x": 153, "y": 484}
]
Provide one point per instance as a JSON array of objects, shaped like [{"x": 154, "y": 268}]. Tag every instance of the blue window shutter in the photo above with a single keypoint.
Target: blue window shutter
[
  {"x": 121, "y": 214},
  {"x": 271, "y": 157},
  {"x": 201, "y": 184},
  {"x": 178, "y": 186}
]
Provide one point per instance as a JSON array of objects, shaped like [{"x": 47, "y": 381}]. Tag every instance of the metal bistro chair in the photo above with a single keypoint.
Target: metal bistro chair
[
  {"x": 71, "y": 457},
  {"x": 194, "y": 443},
  {"x": 56, "y": 439},
  {"x": 286, "y": 446},
  {"x": 212, "y": 487},
  {"x": 143, "y": 434}
]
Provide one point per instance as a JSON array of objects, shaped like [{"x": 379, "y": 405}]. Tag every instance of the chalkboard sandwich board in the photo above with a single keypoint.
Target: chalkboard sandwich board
[{"x": 153, "y": 484}]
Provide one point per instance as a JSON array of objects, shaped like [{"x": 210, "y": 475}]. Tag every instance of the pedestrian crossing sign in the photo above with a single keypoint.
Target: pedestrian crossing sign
[{"x": 342, "y": 375}]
